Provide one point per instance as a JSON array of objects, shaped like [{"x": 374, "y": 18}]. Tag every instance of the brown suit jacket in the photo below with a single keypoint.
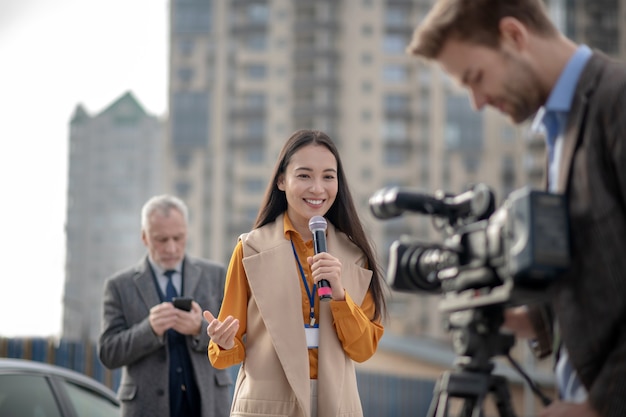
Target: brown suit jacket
[{"x": 589, "y": 301}]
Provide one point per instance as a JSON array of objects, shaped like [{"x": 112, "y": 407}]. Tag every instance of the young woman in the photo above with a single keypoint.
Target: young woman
[{"x": 298, "y": 351}]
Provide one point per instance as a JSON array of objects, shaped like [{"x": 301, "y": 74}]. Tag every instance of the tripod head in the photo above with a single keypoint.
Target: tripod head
[
  {"x": 477, "y": 340},
  {"x": 477, "y": 337}
]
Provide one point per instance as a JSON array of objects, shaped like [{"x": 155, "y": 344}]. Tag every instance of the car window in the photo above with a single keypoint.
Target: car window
[
  {"x": 89, "y": 403},
  {"x": 26, "y": 396}
]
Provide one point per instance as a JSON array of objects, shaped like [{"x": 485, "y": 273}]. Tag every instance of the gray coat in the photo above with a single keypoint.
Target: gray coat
[{"x": 127, "y": 340}]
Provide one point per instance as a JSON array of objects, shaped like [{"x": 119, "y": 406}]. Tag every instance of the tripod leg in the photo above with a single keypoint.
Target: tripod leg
[
  {"x": 500, "y": 389},
  {"x": 439, "y": 403},
  {"x": 471, "y": 407},
  {"x": 470, "y": 388}
]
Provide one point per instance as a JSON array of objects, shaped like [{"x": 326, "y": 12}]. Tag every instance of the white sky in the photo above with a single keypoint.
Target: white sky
[{"x": 54, "y": 55}]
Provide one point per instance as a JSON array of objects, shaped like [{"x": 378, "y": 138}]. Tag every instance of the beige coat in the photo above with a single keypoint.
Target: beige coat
[{"x": 274, "y": 378}]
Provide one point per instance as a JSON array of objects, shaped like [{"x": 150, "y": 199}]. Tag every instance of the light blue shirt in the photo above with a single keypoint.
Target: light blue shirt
[
  {"x": 177, "y": 278},
  {"x": 553, "y": 116}
]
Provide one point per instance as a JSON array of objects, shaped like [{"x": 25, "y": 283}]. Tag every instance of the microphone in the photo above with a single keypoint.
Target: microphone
[{"x": 317, "y": 226}]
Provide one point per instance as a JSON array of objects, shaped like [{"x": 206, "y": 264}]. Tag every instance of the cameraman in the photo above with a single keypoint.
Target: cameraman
[{"x": 510, "y": 56}]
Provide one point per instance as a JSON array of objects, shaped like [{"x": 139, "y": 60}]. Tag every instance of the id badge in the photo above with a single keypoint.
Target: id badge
[{"x": 312, "y": 336}]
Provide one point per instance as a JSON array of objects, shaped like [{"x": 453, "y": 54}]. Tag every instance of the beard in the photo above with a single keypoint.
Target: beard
[{"x": 522, "y": 90}]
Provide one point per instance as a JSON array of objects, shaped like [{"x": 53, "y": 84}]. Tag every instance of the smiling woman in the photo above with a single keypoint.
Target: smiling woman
[
  {"x": 288, "y": 335},
  {"x": 64, "y": 53}
]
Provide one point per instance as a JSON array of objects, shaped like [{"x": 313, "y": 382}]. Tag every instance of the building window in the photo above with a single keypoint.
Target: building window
[
  {"x": 185, "y": 74},
  {"x": 507, "y": 133},
  {"x": 254, "y": 100},
  {"x": 190, "y": 118},
  {"x": 395, "y": 156},
  {"x": 256, "y": 71},
  {"x": 305, "y": 11},
  {"x": 394, "y": 43},
  {"x": 304, "y": 69},
  {"x": 192, "y": 16},
  {"x": 258, "y": 13},
  {"x": 281, "y": 43},
  {"x": 183, "y": 160},
  {"x": 254, "y": 185},
  {"x": 464, "y": 127},
  {"x": 255, "y": 128},
  {"x": 452, "y": 136},
  {"x": 254, "y": 155},
  {"x": 395, "y": 130},
  {"x": 185, "y": 46},
  {"x": 251, "y": 213},
  {"x": 396, "y": 102},
  {"x": 508, "y": 174},
  {"x": 256, "y": 42},
  {"x": 396, "y": 16},
  {"x": 182, "y": 189},
  {"x": 395, "y": 73},
  {"x": 305, "y": 40}
]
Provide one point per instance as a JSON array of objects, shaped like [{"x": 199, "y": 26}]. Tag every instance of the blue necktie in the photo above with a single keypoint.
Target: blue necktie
[
  {"x": 568, "y": 383},
  {"x": 170, "y": 290}
]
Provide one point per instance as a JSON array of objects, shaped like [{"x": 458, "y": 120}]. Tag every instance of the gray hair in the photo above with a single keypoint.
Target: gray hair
[{"x": 163, "y": 204}]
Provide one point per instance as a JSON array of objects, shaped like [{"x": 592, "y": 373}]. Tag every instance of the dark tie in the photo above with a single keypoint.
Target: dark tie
[{"x": 170, "y": 290}]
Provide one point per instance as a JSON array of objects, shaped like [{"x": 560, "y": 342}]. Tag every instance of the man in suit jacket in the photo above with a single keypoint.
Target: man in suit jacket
[
  {"x": 161, "y": 348},
  {"x": 510, "y": 56}
]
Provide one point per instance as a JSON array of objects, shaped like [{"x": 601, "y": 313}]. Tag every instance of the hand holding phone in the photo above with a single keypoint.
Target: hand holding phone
[{"x": 183, "y": 303}]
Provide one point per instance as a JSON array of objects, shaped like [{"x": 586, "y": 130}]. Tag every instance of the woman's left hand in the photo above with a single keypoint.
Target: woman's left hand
[{"x": 325, "y": 266}]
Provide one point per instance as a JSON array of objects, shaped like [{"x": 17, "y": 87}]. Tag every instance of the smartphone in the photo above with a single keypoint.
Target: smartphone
[{"x": 184, "y": 303}]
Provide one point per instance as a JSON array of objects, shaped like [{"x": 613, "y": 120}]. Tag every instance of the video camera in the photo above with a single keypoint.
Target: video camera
[{"x": 488, "y": 257}]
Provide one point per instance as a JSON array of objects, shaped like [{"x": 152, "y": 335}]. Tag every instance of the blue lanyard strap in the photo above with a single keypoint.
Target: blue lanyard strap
[{"x": 310, "y": 293}]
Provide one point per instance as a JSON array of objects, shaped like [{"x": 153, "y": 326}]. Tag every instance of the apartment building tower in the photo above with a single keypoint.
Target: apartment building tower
[
  {"x": 245, "y": 74},
  {"x": 115, "y": 164}
]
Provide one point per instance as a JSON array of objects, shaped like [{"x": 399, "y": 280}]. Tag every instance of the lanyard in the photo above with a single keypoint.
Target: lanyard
[{"x": 310, "y": 293}]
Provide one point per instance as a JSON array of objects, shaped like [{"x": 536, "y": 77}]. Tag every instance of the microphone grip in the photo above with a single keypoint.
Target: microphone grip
[{"x": 324, "y": 290}]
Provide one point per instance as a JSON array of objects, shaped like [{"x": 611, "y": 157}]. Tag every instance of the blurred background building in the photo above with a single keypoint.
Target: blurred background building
[
  {"x": 245, "y": 74},
  {"x": 115, "y": 165}
]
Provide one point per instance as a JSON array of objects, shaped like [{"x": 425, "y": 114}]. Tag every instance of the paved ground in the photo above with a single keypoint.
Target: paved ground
[{"x": 400, "y": 365}]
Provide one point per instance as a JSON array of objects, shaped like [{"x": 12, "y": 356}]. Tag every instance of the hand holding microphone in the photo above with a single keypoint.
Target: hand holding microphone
[{"x": 329, "y": 267}]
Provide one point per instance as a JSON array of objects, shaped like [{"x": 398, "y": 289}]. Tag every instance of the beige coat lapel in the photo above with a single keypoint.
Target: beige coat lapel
[
  {"x": 275, "y": 284},
  {"x": 333, "y": 363},
  {"x": 274, "y": 279}
]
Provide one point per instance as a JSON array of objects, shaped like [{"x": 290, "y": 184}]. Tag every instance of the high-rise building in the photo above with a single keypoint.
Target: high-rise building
[
  {"x": 115, "y": 163},
  {"x": 599, "y": 24},
  {"x": 245, "y": 74}
]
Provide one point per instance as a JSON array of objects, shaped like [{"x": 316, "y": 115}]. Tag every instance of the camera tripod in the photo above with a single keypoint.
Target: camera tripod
[{"x": 477, "y": 339}]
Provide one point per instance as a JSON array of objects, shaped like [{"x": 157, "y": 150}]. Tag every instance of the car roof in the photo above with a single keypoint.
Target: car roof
[{"x": 24, "y": 366}]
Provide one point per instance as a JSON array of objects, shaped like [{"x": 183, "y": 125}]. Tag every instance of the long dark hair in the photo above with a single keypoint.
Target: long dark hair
[{"x": 342, "y": 214}]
